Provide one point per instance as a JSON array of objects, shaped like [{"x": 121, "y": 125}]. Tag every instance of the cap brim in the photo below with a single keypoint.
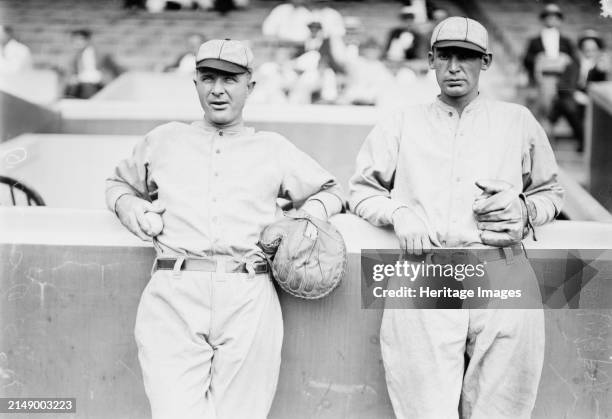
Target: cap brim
[
  {"x": 222, "y": 65},
  {"x": 460, "y": 44}
]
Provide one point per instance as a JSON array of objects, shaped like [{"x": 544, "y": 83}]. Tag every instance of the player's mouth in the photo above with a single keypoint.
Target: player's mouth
[
  {"x": 455, "y": 82},
  {"x": 219, "y": 105}
]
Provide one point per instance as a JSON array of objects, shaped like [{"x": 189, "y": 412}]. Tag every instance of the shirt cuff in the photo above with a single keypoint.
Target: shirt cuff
[
  {"x": 531, "y": 215},
  {"x": 382, "y": 207},
  {"x": 114, "y": 193},
  {"x": 332, "y": 203}
]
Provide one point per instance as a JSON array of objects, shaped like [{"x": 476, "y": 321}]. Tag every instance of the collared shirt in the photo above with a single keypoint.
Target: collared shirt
[
  {"x": 87, "y": 66},
  {"x": 550, "y": 42},
  {"x": 219, "y": 186},
  {"x": 427, "y": 158}
]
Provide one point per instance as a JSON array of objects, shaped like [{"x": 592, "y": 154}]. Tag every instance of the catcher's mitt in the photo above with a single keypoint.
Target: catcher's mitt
[{"x": 308, "y": 255}]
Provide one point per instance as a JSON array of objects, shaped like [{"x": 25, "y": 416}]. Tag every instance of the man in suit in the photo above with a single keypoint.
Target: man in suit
[{"x": 546, "y": 57}]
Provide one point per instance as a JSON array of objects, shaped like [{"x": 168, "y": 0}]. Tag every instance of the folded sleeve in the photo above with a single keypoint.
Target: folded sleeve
[
  {"x": 304, "y": 179},
  {"x": 542, "y": 191},
  {"x": 370, "y": 187},
  {"x": 131, "y": 176}
]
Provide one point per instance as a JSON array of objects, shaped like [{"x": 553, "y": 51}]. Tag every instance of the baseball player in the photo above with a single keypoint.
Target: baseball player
[
  {"x": 461, "y": 172},
  {"x": 209, "y": 327}
]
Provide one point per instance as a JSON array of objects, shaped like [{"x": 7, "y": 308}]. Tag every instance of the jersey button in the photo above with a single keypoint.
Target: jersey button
[
  {"x": 218, "y": 151},
  {"x": 221, "y": 133}
]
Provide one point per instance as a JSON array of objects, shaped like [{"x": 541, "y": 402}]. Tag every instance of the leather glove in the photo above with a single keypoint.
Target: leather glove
[{"x": 500, "y": 213}]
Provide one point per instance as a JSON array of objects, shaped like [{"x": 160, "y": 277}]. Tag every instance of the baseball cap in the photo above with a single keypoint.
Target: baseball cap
[
  {"x": 460, "y": 32},
  {"x": 225, "y": 55},
  {"x": 551, "y": 9}
]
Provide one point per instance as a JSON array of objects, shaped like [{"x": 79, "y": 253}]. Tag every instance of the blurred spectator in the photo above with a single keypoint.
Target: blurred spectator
[
  {"x": 404, "y": 41},
  {"x": 419, "y": 9},
  {"x": 367, "y": 77},
  {"x": 185, "y": 62},
  {"x": 288, "y": 22},
  {"x": 224, "y": 6},
  {"x": 276, "y": 78},
  {"x": 14, "y": 56},
  {"x": 88, "y": 71},
  {"x": 437, "y": 16},
  {"x": 355, "y": 33},
  {"x": 331, "y": 20},
  {"x": 135, "y": 4},
  {"x": 546, "y": 58},
  {"x": 319, "y": 67},
  {"x": 571, "y": 100},
  {"x": 549, "y": 42}
]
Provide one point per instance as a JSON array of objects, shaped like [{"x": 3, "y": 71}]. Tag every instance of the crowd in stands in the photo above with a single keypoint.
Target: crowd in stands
[
  {"x": 321, "y": 56},
  {"x": 560, "y": 69},
  {"x": 156, "y": 6}
]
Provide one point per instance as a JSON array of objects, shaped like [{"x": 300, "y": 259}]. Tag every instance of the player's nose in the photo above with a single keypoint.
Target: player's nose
[
  {"x": 453, "y": 64},
  {"x": 218, "y": 88}
]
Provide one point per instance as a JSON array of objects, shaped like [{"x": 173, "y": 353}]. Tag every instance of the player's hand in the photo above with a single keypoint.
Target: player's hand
[
  {"x": 132, "y": 210},
  {"x": 411, "y": 232},
  {"x": 500, "y": 213}
]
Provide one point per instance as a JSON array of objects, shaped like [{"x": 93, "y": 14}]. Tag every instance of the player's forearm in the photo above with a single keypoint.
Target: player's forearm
[
  {"x": 325, "y": 203},
  {"x": 543, "y": 207},
  {"x": 378, "y": 210},
  {"x": 115, "y": 190}
]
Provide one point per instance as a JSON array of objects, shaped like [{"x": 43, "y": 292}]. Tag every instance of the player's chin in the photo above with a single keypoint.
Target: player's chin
[
  {"x": 219, "y": 117},
  {"x": 455, "y": 90}
]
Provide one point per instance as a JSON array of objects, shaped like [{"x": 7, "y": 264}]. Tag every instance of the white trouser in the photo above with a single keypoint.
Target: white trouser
[
  {"x": 209, "y": 344},
  {"x": 424, "y": 355}
]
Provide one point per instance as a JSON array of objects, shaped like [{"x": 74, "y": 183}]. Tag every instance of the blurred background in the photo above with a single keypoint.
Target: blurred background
[
  {"x": 81, "y": 81},
  {"x": 109, "y": 66}
]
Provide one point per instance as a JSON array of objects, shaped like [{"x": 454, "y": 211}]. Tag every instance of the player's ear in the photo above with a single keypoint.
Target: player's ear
[
  {"x": 250, "y": 85},
  {"x": 430, "y": 59},
  {"x": 487, "y": 60}
]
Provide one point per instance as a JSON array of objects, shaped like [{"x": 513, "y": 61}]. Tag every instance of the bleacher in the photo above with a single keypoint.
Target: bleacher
[
  {"x": 142, "y": 41},
  {"x": 517, "y": 21}
]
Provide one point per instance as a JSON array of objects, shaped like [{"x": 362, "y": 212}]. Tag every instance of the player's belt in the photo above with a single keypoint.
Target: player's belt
[
  {"x": 488, "y": 255},
  {"x": 206, "y": 265}
]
